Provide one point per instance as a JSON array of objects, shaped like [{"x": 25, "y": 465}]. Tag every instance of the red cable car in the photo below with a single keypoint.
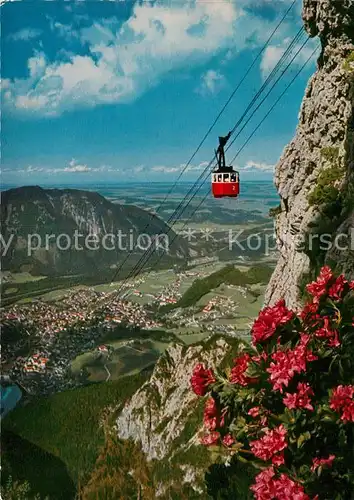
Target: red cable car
[{"x": 225, "y": 181}]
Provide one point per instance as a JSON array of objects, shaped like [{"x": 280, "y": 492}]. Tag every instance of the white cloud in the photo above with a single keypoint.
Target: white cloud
[
  {"x": 165, "y": 170},
  {"x": 155, "y": 40},
  {"x": 30, "y": 170},
  {"x": 66, "y": 31},
  {"x": 273, "y": 53},
  {"x": 271, "y": 56},
  {"x": 139, "y": 169},
  {"x": 194, "y": 168},
  {"x": 183, "y": 167},
  {"x": 25, "y": 35},
  {"x": 253, "y": 165},
  {"x": 123, "y": 60},
  {"x": 211, "y": 82},
  {"x": 73, "y": 167},
  {"x": 76, "y": 167}
]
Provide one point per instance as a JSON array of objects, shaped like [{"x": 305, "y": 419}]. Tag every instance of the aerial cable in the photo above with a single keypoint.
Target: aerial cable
[
  {"x": 243, "y": 146},
  {"x": 283, "y": 58},
  {"x": 249, "y": 107},
  {"x": 254, "y": 131},
  {"x": 271, "y": 109},
  {"x": 211, "y": 127},
  {"x": 274, "y": 105},
  {"x": 180, "y": 209},
  {"x": 136, "y": 270},
  {"x": 269, "y": 92}
]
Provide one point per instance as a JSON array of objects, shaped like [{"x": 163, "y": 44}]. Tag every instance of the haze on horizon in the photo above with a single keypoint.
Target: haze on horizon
[{"x": 117, "y": 92}]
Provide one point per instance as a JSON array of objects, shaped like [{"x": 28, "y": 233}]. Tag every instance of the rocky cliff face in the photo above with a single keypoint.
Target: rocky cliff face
[
  {"x": 315, "y": 175},
  {"x": 164, "y": 416},
  {"x": 166, "y": 398},
  {"x": 46, "y": 231}
]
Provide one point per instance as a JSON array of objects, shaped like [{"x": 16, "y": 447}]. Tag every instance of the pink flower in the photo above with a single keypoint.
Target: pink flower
[
  {"x": 281, "y": 369},
  {"x": 319, "y": 287},
  {"x": 265, "y": 486},
  {"x": 326, "y": 332},
  {"x": 342, "y": 402},
  {"x": 211, "y": 415},
  {"x": 286, "y": 488},
  {"x": 309, "y": 311},
  {"x": 304, "y": 342},
  {"x": 278, "y": 459},
  {"x": 254, "y": 412},
  {"x": 302, "y": 351},
  {"x": 341, "y": 395},
  {"x": 228, "y": 440},
  {"x": 270, "y": 444},
  {"x": 268, "y": 487},
  {"x": 338, "y": 288},
  {"x": 238, "y": 371},
  {"x": 268, "y": 321},
  {"x": 201, "y": 380},
  {"x": 213, "y": 418},
  {"x": 348, "y": 412},
  {"x": 210, "y": 439},
  {"x": 320, "y": 462},
  {"x": 301, "y": 399},
  {"x": 288, "y": 362}
]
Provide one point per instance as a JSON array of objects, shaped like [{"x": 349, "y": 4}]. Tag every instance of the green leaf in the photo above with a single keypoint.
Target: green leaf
[
  {"x": 287, "y": 417},
  {"x": 329, "y": 418},
  {"x": 341, "y": 370},
  {"x": 304, "y": 469},
  {"x": 342, "y": 438},
  {"x": 303, "y": 438},
  {"x": 332, "y": 362},
  {"x": 253, "y": 370}
]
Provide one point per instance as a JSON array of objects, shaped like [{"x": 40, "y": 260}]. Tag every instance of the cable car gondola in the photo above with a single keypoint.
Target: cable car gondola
[{"x": 225, "y": 181}]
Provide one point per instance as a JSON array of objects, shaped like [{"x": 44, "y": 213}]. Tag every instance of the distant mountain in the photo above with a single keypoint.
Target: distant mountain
[{"x": 69, "y": 231}]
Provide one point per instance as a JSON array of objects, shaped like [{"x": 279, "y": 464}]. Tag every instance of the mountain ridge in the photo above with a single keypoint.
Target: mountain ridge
[{"x": 32, "y": 210}]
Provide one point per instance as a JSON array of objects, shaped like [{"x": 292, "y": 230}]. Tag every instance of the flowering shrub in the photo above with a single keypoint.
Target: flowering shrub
[{"x": 286, "y": 407}]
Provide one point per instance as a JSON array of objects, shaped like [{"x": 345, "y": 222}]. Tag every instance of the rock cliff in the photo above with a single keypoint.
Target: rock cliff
[
  {"x": 164, "y": 416},
  {"x": 315, "y": 175}
]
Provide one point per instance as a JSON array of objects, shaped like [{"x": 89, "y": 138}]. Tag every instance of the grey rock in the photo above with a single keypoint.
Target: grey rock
[
  {"x": 326, "y": 120},
  {"x": 157, "y": 413}
]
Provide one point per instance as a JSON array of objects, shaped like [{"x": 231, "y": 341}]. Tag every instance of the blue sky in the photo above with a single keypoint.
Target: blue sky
[{"x": 117, "y": 91}]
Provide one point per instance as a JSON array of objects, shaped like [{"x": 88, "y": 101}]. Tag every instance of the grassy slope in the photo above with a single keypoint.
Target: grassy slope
[
  {"x": 44, "y": 472},
  {"x": 228, "y": 275},
  {"x": 70, "y": 449},
  {"x": 66, "y": 425}
]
